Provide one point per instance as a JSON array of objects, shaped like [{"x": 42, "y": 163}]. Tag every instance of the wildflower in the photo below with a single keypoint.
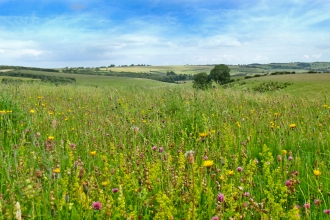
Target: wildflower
[
  {"x": 230, "y": 172},
  {"x": 206, "y": 158},
  {"x": 97, "y": 205},
  {"x": 208, "y": 163},
  {"x": 50, "y": 138},
  {"x": 327, "y": 211},
  {"x": 203, "y": 135},
  {"x": 221, "y": 197},
  {"x": 284, "y": 152},
  {"x": 115, "y": 190},
  {"x": 93, "y": 153},
  {"x": 215, "y": 218},
  {"x": 32, "y": 111},
  {"x": 317, "y": 172},
  {"x": 307, "y": 206},
  {"x": 104, "y": 183},
  {"x": 292, "y": 126},
  {"x": 161, "y": 149},
  {"x": 290, "y": 158},
  {"x": 239, "y": 169},
  {"x": 18, "y": 211},
  {"x": 288, "y": 183},
  {"x": 238, "y": 124},
  {"x": 56, "y": 170},
  {"x": 190, "y": 156},
  {"x": 246, "y": 194},
  {"x": 317, "y": 202},
  {"x": 154, "y": 148}
]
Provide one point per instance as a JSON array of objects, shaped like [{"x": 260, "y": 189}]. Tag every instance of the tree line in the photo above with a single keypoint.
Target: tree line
[{"x": 43, "y": 78}]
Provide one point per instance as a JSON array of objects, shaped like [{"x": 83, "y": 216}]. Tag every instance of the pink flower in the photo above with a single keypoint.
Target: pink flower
[
  {"x": 97, "y": 205},
  {"x": 290, "y": 158},
  {"x": 327, "y": 211},
  {"x": 246, "y": 194},
  {"x": 288, "y": 183},
  {"x": 161, "y": 149},
  {"x": 114, "y": 190},
  {"x": 215, "y": 218},
  {"x": 154, "y": 148},
  {"x": 317, "y": 202},
  {"x": 206, "y": 157},
  {"x": 239, "y": 169},
  {"x": 307, "y": 206},
  {"x": 221, "y": 197}
]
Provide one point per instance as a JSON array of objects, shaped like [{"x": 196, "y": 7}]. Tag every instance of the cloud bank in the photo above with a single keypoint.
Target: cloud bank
[{"x": 96, "y": 33}]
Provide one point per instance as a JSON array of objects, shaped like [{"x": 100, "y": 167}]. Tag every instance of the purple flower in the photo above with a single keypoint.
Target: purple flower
[
  {"x": 288, "y": 183},
  {"x": 215, "y": 218},
  {"x": 206, "y": 157},
  {"x": 221, "y": 197},
  {"x": 290, "y": 158},
  {"x": 161, "y": 149},
  {"x": 96, "y": 205},
  {"x": 239, "y": 169},
  {"x": 154, "y": 148},
  {"x": 114, "y": 190},
  {"x": 327, "y": 211}
]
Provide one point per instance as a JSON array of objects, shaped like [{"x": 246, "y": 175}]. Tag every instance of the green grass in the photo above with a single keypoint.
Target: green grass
[{"x": 127, "y": 144}]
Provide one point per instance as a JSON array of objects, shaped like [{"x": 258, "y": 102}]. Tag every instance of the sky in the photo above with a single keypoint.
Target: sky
[{"x": 92, "y": 33}]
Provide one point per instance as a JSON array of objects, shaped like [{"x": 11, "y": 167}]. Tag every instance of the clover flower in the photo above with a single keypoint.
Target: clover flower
[{"x": 97, "y": 205}]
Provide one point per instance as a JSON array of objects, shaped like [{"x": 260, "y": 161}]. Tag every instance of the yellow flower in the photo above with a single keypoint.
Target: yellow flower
[
  {"x": 104, "y": 183},
  {"x": 317, "y": 172},
  {"x": 284, "y": 152},
  {"x": 56, "y": 170},
  {"x": 203, "y": 134},
  {"x": 208, "y": 163},
  {"x": 292, "y": 126},
  {"x": 93, "y": 153},
  {"x": 32, "y": 111},
  {"x": 230, "y": 172},
  {"x": 50, "y": 137},
  {"x": 221, "y": 178}
]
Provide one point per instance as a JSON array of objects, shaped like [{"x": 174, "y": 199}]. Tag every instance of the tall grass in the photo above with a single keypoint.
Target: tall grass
[{"x": 79, "y": 152}]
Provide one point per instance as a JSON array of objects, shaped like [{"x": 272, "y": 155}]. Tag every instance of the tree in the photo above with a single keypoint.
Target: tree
[
  {"x": 202, "y": 81},
  {"x": 220, "y": 74}
]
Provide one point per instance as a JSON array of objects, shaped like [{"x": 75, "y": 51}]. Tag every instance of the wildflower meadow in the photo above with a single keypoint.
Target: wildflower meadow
[{"x": 170, "y": 152}]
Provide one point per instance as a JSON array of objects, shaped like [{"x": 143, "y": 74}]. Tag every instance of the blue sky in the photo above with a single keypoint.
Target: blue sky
[{"x": 89, "y": 33}]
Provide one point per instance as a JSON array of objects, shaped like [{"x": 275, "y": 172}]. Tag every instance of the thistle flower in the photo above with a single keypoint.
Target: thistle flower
[{"x": 97, "y": 205}]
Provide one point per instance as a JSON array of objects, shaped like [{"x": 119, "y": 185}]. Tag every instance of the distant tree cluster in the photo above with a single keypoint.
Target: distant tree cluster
[
  {"x": 43, "y": 78},
  {"x": 220, "y": 74}
]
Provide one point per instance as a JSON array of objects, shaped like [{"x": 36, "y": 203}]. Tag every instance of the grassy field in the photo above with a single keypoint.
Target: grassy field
[{"x": 117, "y": 148}]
